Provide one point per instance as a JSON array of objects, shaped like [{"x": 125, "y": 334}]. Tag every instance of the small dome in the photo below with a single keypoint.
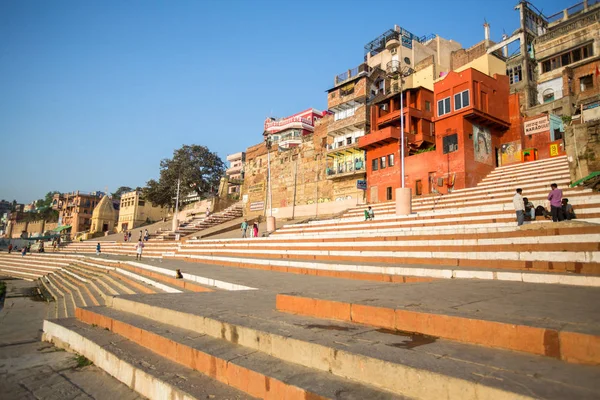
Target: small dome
[{"x": 105, "y": 210}]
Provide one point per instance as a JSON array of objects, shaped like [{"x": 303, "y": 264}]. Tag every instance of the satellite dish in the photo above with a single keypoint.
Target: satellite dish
[{"x": 406, "y": 60}]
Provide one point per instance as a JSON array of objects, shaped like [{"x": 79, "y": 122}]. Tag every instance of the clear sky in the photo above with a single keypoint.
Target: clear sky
[{"x": 95, "y": 93}]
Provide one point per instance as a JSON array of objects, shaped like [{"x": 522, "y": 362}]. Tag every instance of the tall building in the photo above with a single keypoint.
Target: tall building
[
  {"x": 568, "y": 86},
  {"x": 347, "y": 101},
  {"x": 409, "y": 65},
  {"x": 75, "y": 209},
  {"x": 235, "y": 172},
  {"x": 518, "y": 50}
]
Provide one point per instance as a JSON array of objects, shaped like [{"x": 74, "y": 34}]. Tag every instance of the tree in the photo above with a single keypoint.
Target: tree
[
  {"x": 200, "y": 171},
  {"x": 120, "y": 191}
]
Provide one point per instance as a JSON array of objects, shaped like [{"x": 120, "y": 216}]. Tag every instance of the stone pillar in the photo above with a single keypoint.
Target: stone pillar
[
  {"x": 403, "y": 201},
  {"x": 270, "y": 224}
]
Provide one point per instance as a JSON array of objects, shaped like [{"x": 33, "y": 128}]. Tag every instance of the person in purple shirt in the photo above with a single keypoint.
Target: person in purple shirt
[{"x": 555, "y": 197}]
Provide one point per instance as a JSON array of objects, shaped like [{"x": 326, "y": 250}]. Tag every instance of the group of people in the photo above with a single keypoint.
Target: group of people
[
  {"x": 145, "y": 236},
  {"x": 560, "y": 209},
  {"x": 24, "y": 249},
  {"x": 252, "y": 231},
  {"x": 139, "y": 248}
]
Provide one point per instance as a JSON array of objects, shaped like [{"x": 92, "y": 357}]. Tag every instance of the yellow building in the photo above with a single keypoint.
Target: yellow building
[
  {"x": 104, "y": 217},
  {"x": 136, "y": 211}
]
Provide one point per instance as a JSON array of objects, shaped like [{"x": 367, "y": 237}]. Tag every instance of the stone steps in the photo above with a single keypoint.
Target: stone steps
[
  {"x": 577, "y": 197},
  {"x": 542, "y": 337},
  {"x": 255, "y": 373},
  {"x": 152, "y": 376},
  {"x": 431, "y": 222},
  {"x": 374, "y": 362}
]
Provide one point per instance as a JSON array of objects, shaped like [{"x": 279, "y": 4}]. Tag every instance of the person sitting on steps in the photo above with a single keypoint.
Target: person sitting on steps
[
  {"x": 369, "y": 214},
  {"x": 567, "y": 210}
]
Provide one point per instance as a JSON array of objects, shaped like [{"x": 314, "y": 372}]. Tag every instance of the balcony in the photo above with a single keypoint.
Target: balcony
[
  {"x": 347, "y": 169},
  {"x": 361, "y": 70},
  {"x": 356, "y": 121},
  {"x": 283, "y": 124},
  {"x": 234, "y": 169},
  {"x": 479, "y": 117},
  {"x": 239, "y": 156},
  {"x": 379, "y": 138},
  {"x": 346, "y": 148}
]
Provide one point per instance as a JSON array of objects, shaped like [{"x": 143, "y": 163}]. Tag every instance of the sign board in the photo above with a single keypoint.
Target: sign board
[
  {"x": 257, "y": 206},
  {"x": 554, "y": 150},
  {"x": 257, "y": 188},
  {"x": 361, "y": 184},
  {"x": 538, "y": 125}
]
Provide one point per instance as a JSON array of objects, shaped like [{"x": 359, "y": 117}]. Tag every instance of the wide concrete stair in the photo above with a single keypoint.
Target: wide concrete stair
[
  {"x": 470, "y": 233},
  {"x": 495, "y": 192},
  {"x": 201, "y": 222},
  {"x": 240, "y": 340},
  {"x": 151, "y": 249},
  {"x": 77, "y": 281}
]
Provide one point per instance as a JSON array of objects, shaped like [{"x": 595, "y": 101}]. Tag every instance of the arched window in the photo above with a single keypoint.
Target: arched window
[{"x": 548, "y": 95}]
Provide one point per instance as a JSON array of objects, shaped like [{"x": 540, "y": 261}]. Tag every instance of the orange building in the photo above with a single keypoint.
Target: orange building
[
  {"x": 382, "y": 143},
  {"x": 472, "y": 115}
]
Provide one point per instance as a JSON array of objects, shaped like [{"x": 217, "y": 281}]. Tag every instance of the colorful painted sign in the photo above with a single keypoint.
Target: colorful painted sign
[{"x": 554, "y": 150}]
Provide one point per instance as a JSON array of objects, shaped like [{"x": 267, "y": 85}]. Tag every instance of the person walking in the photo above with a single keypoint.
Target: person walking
[
  {"x": 519, "y": 206},
  {"x": 255, "y": 229},
  {"x": 146, "y": 235},
  {"x": 244, "y": 228},
  {"x": 555, "y": 197},
  {"x": 141, "y": 236},
  {"x": 10, "y": 247},
  {"x": 23, "y": 251},
  {"x": 124, "y": 236},
  {"x": 129, "y": 236},
  {"x": 98, "y": 249},
  {"x": 138, "y": 250}
]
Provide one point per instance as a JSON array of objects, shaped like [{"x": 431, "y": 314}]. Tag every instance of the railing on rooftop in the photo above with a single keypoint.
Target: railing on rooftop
[
  {"x": 377, "y": 45},
  {"x": 571, "y": 11},
  {"x": 351, "y": 73}
]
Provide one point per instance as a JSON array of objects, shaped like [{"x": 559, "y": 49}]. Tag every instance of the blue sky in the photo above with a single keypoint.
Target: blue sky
[{"x": 94, "y": 94}]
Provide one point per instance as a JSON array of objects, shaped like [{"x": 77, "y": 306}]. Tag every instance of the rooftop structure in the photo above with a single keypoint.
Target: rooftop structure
[{"x": 288, "y": 132}]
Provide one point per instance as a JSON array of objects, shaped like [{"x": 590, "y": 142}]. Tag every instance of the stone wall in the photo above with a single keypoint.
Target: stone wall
[
  {"x": 35, "y": 228},
  {"x": 583, "y": 148},
  {"x": 18, "y": 228},
  {"x": 465, "y": 56},
  {"x": 296, "y": 173}
]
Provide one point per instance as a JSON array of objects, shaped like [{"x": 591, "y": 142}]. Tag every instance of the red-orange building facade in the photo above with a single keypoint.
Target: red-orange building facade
[
  {"x": 454, "y": 136},
  {"x": 475, "y": 124},
  {"x": 382, "y": 143}
]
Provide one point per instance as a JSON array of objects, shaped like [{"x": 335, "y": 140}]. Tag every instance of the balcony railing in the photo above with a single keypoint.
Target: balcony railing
[
  {"x": 334, "y": 147},
  {"x": 346, "y": 169},
  {"x": 379, "y": 137}
]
